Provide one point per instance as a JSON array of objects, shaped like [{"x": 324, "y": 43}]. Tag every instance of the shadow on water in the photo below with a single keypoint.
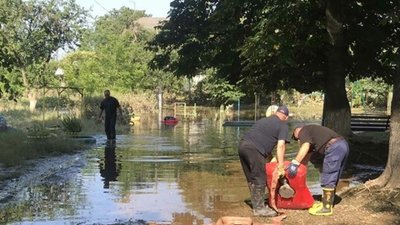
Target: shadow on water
[{"x": 183, "y": 174}]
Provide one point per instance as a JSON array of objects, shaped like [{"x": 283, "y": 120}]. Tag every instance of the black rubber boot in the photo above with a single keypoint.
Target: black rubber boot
[{"x": 257, "y": 201}]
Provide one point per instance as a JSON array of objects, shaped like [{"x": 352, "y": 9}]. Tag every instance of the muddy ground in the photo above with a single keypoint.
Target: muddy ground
[
  {"x": 38, "y": 171},
  {"x": 357, "y": 206},
  {"x": 354, "y": 206}
]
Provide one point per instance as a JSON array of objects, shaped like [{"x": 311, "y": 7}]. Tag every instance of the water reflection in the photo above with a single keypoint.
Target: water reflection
[{"x": 109, "y": 169}]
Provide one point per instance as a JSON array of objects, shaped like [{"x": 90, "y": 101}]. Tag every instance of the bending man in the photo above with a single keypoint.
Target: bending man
[
  {"x": 321, "y": 142},
  {"x": 255, "y": 149}
]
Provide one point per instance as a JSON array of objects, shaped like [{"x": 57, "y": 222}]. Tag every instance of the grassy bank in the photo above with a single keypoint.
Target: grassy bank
[{"x": 16, "y": 147}]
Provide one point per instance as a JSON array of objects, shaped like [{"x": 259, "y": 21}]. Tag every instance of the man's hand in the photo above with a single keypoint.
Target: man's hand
[{"x": 292, "y": 168}]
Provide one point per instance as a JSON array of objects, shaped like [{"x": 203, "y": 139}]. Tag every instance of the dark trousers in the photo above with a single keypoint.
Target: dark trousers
[
  {"x": 253, "y": 163},
  {"x": 109, "y": 125},
  {"x": 334, "y": 163}
]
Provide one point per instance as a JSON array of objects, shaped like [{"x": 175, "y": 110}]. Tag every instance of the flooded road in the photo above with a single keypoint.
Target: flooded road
[{"x": 189, "y": 173}]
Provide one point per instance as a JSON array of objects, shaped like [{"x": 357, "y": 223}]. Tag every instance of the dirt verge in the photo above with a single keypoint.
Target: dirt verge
[{"x": 37, "y": 171}]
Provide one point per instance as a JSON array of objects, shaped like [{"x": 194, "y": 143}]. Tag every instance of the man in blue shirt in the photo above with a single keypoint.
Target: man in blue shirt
[{"x": 254, "y": 150}]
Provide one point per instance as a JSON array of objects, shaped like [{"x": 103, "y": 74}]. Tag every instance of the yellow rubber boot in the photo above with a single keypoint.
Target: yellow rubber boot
[
  {"x": 324, "y": 208},
  {"x": 315, "y": 206}
]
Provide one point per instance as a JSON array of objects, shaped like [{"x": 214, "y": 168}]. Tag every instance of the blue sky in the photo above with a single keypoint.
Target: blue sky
[{"x": 157, "y": 8}]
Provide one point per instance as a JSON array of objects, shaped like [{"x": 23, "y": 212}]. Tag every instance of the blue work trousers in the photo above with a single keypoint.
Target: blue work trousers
[{"x": 334, "y": 163}]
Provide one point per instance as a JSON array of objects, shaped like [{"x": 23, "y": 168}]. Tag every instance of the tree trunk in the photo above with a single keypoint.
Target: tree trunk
[
  {"x": 31, "y": 94},
  {"x": 390, "y": 178},
  {"x": 336, "y": 114}
]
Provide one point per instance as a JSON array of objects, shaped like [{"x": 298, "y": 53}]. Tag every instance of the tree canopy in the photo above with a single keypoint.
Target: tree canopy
[
  {"x": 31, "y": 32},
  {"x": 271, "y": 45},
  {"x": 274, "y": 44},
  {"x": 118, "y": 58}
]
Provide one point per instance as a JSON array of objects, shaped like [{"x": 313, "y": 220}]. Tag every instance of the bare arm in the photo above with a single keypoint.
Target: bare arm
[
  {"x": 280, "y": 152},
  {"x": 302, "y": 152}
]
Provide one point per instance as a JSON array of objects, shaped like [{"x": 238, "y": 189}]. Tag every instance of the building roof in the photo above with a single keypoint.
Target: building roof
[{"x": 150, "y": 22}]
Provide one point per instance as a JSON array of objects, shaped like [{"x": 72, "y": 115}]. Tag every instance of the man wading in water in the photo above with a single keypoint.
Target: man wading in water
[{"x": 110, "y": 106}]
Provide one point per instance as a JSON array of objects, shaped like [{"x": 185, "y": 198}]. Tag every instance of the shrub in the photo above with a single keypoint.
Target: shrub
[
  {"x": 91, "y": 106},
  {"x": 71, "y": 124}
]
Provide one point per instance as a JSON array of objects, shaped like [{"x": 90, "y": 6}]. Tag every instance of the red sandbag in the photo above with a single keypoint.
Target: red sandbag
[{"x": 302, "y": 198}]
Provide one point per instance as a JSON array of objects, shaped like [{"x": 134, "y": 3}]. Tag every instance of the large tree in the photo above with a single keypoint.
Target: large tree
[
  {"x": 390, "y": 178},
  {"x": 278, "y": 44},
  {"x": 32, "y": 31},
  {"x": 390, "y": 57},
  {"x": 262, "y": 45}
]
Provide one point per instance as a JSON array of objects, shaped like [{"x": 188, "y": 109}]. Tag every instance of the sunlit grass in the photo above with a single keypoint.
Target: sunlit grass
[{"x": 16, "y": 147}]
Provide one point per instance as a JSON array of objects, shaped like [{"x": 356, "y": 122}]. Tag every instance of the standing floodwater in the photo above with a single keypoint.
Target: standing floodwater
[{"x": 189, "y": 172}]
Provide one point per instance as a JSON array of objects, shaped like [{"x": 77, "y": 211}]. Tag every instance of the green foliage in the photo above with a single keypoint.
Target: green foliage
[
  {"x": 54, "y": 102},
  {"x": 9, "y": 84},
  {"x": 71, "y": 124},
  {"x": 369, "y": 92},
  {"x": 91, "y": 106},
  {"x": 277, "y": 44},
  {"x": 113, "y": 55},
  {"x": 83, "y": 69},
  {"x": 287, "y": 47},
  {"x": 216, "y": 91},
  {"x": 31, "y": 32},
  {"x": 168, "y": 83},
  {"x": 205, "y": 34}
]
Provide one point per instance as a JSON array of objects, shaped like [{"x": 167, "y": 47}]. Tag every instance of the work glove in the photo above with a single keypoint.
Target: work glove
[
  {"x": 292, "y": 168},
  {"x": 281, "y": 171}
]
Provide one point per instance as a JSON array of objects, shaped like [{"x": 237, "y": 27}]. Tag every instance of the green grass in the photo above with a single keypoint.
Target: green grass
[{"x": 16, "y": 147}]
